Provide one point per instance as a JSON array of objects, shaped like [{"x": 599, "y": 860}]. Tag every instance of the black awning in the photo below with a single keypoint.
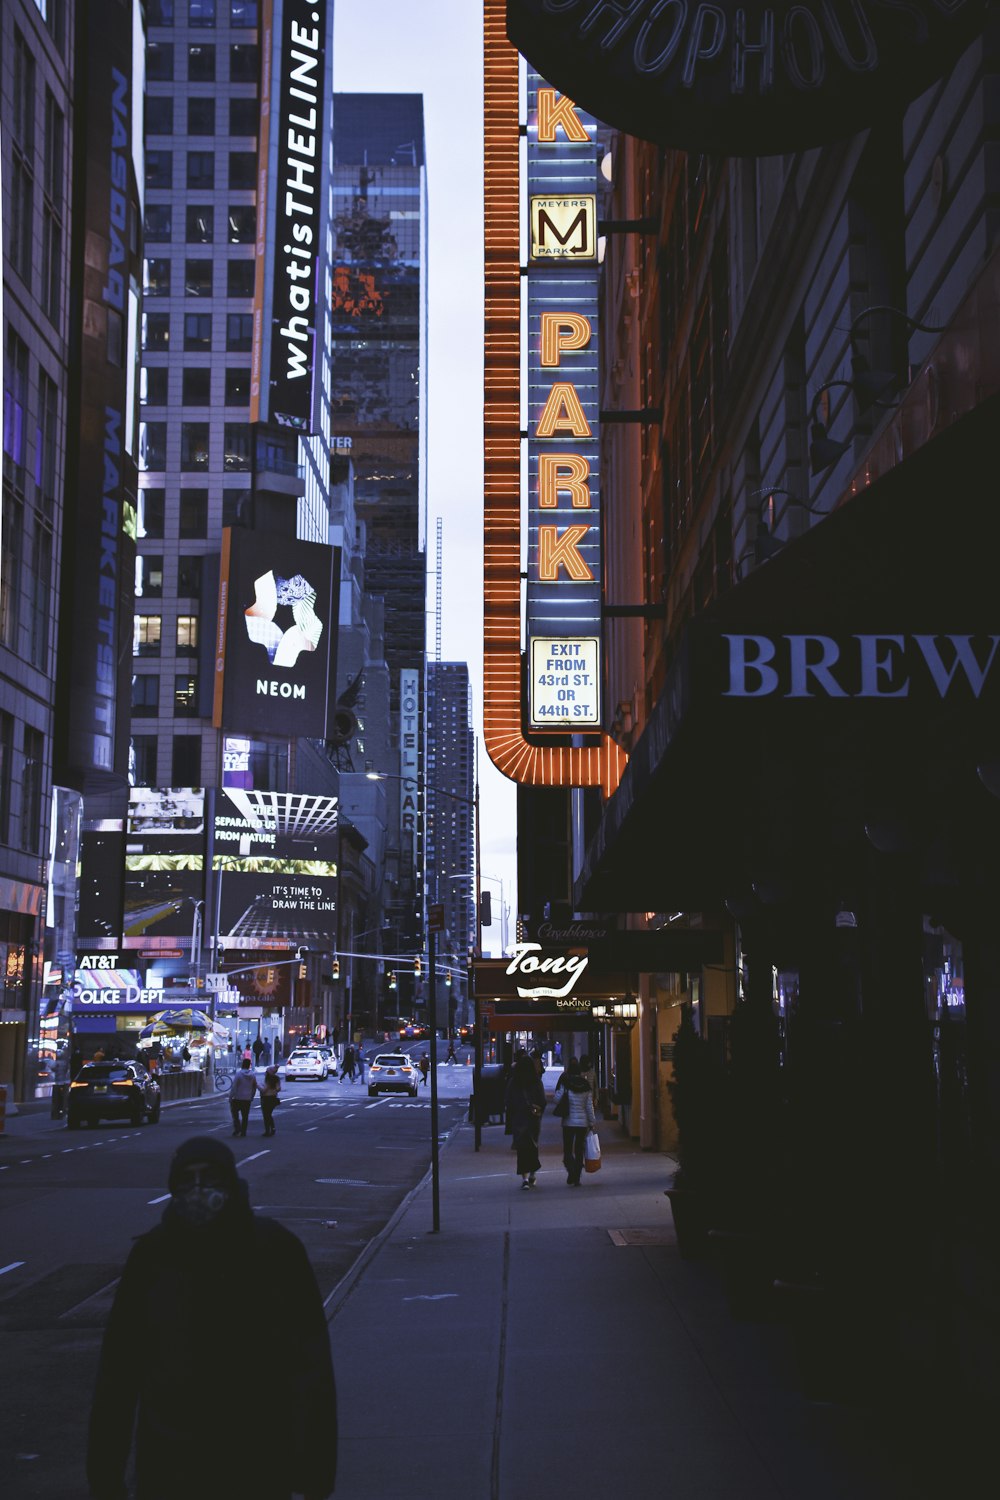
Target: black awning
[{"x": 854, "y": 677}]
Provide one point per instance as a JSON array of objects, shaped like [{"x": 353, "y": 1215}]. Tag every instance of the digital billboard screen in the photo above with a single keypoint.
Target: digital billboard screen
[
  {"x": 164, "y": 861},
  {"x": 276, "y": 634},
  {"x": 275, "y": 862}
]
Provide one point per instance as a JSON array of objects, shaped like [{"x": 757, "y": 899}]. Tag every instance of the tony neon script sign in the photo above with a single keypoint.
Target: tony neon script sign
[
  {"x": 858, "y": 666},
  {"x": 743, "y": 79},
  {"x": 526, "y": 961}
]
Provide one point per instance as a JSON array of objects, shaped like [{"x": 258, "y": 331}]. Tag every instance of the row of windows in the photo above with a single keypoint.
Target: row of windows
[
  {"x": 196, "y": 446},
  {"x": 185, "y": 760},
  {"x": 197, "y": 332},
  {"x": 27, "y": 257},
  {"x": 196, "y": 386},
  {"x": 200, "y": 170},
  {"x": 199, "y": 223},
  {"x": 241, "y": 13},
  {"x": 198, "y": 277},
  {"x": 149, "y": 575},
  {"x": 201, "y": 62},
  {"x": 146, "y": 696},
  {"x": 147, "y": 634},
  {"x": 244, "y": 115},
  {"x": 32, "y": 781},
  {"x": 188, "y": 521}
]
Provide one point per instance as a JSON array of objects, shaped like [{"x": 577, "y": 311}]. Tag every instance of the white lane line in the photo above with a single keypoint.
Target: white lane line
[
  {"x": 309, "y": 1128},
  {"x": 26, "y": 1161},
  {"x": 47, "y": 1156},
  {"x": 6, "y": 1168},
  {"x": 12, "y": 1267},
  {"x": 151, "y": 1201},
  {"x": 348, "y": 1117},
  {"x": 67, "y": 1149},
  {"x": 377, "y": 1105},
  {"x": 265, "y": 1152}
]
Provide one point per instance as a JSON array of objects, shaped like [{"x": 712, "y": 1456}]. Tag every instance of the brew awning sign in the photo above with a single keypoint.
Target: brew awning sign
[
  {"x": 743, "y": 79},
  {"x": 564, "y": 524}
]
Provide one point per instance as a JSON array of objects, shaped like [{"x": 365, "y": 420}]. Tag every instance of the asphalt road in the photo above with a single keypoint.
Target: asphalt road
[{"x": 70, "y": 1205}]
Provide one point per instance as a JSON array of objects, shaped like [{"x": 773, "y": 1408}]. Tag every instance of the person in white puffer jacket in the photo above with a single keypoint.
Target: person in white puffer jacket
[{"x": 580, "y": 1119}]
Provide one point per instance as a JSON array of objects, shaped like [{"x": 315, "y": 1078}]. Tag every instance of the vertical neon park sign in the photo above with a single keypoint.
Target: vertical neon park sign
[{"x": 564, "y": 522}]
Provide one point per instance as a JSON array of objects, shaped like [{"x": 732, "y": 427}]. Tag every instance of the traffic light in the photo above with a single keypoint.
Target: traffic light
[
  {"x": 417, "y": 970},
  {"x": 447, "y": 977},
  {"x": 302, "y": 971},
  {"x": 485, "y": 909},
  {"x": 392, "y": 979},
  {"x": 335, "y": 970}
]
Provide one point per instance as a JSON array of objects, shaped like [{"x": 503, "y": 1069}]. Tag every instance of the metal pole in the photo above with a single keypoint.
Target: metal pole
[
  {"x": 477, "y": 1071},
  {"x": 435, "y": 1150}
]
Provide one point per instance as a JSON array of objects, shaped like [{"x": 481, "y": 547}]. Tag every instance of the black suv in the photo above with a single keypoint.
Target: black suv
[{"x": 113, "y": 1091}]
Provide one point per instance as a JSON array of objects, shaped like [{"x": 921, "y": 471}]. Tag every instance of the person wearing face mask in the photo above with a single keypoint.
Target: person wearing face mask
[{"x": 209, "y": 1239}]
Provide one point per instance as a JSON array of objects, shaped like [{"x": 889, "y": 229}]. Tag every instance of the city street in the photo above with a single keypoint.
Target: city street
[{"x": 335, "y": 1173}]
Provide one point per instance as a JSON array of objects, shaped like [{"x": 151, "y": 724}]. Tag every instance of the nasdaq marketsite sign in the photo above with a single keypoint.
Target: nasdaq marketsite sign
[
  {"x": 564, "y": 524},
  {"x": 743, "y": 79}
]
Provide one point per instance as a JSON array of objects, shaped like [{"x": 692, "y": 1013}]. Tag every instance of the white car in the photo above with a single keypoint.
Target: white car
[
  {"x": 304, "y": 1063},
  {"x": 394, "y": 1073}
]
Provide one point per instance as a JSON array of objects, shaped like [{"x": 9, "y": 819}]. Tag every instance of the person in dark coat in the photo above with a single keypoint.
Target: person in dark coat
[
  {"x": 523, "y": 1106},
  {"x": 209, "y": 1237}
]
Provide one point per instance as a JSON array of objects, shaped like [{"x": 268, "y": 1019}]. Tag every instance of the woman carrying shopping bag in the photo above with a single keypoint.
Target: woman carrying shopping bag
[{"x": 580, "y": 1119}]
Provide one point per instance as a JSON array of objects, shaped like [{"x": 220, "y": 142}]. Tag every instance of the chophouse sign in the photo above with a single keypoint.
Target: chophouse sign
[{"x": 743, "y": 80}]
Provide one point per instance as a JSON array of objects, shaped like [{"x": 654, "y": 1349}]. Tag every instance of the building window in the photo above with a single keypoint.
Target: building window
[
  {"x": 198, "y": 225},
  {"x": 153, "y": 385},
  {"x": 52, "y": 209},
  {"x": 201, "y": 169},
  {"x": 201, "y": 12},
  {"x": 156, "y": 276},
  {"x": 237, "y": 446},
  {"x": 185, "y": 696},
  {"x": 159, "y": 169},
  {"x": 185, "y": 760},
  {"x": 237, "y": 507},
  {"x": 46, "y": 459},
  {"x": 197, "y": 387},
  {"x": 149, "y": 575},
  {"x": 239, "y": 332},
  {"x": 194, "y": 445},
  {"x": 193, "y": 517},
  {"x": 242, "y": 13},
  {"x": 146, "y": 633},
  {"x": 189, "y": 567},
  {"x": 187, "y": 635},
  {"x": 160, "y": 12},
  {"x": 10, "y": 567},
  {"x": 40, "y": 594},
  {"x": 201, "y": 116},
  {"x": 237, "y": 387},
  {"x": 143, "y": 759},
  {"x": 197, "y": 330},
  {"x": 152, "y": 509},
  {"x": 159, "y": 62},
  {"x": 201, "y": 64},
  {"x": 198, "y": 278},
  {"x": 157, "y": 222},
  {"x": 31, "y": 788},
  {"x": 145, "y": 695},
  {"x": 244, "y": 116},
  {"x": 6, "y": 756},
  {"x": 156, "y": 331},
  {"x": 153, "y": 446},
  {"x": 243, "y": 63},
  {"x": 242, "y": 169},
  {"x": 22, "y": 137},
  {"x": 159, "y": 114},
  {"x": 240, "y": 278},
  {"x": 15, "y": 409},
  {"x": 242, "y": 224}
]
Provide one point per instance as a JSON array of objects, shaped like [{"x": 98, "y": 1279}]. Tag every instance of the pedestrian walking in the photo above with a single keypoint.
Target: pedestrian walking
[
  {"x": 523, "y": 1106},
  {"x": 241, "y": 1092},
  {"x": 269, "y": 1091},
  {"x": 266, "y": 1054},
  {"x": 579, "y": 1120},
  {"x": 359, "y": 1061},
  {"x": 277, "y": 1051},
  {"x": 209, "y": 1232},
  {"x": 247, "y": 1054},
  {"x": 347, "y": 1070},
  {"x": 425, "y": 1067},
  {"x": 452, "y": 1055},
  {"x": 257, "y": 1049}
]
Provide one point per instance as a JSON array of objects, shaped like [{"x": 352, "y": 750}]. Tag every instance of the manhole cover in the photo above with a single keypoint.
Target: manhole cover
[{"x": 641, "y": 1236}]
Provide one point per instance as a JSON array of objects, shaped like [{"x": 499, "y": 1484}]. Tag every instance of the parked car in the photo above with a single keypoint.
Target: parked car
[
  {"x": 330, "y": 1058},
  {"x": 112, "y": 1091},
  {"x": 393, "y": 1073},
  {"x": 303, "y": 1063}
]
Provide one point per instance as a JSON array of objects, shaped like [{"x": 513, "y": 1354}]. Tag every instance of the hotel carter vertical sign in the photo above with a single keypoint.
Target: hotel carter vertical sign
[
  {"x": 564, "y": 523},
  {"x": 743, "y": 79}
]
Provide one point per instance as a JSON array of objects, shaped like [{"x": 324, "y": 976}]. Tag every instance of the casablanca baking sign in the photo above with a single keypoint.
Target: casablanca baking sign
[{"x": 743, "y": 79}]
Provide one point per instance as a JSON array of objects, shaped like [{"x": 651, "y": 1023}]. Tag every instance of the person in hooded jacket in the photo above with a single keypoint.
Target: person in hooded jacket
[
  {"x": 580, "y": 1119},
  {"x": 199, "y": 1381},
  {"x": 523, "y": 1107}
]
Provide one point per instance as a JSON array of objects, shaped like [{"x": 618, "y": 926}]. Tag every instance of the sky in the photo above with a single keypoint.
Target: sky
[{"x": 390, "y": 46}]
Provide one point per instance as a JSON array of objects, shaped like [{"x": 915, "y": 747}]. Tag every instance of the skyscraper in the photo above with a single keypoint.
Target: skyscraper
[{"x": 450, "y": 843}]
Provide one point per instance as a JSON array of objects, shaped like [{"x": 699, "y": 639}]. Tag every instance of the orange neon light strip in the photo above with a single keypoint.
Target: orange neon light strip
[{"x": 503, "y": 736}]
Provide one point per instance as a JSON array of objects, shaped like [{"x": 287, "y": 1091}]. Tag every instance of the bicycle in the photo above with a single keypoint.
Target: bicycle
[{"x": 223, "y": 1080}]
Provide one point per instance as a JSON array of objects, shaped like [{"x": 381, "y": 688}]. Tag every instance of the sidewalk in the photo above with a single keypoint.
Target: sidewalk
[{"x": 522, "y": 1352}]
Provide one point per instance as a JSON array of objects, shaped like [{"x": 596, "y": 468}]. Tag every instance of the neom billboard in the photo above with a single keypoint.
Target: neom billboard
[{"x": 276, "y": 634}]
